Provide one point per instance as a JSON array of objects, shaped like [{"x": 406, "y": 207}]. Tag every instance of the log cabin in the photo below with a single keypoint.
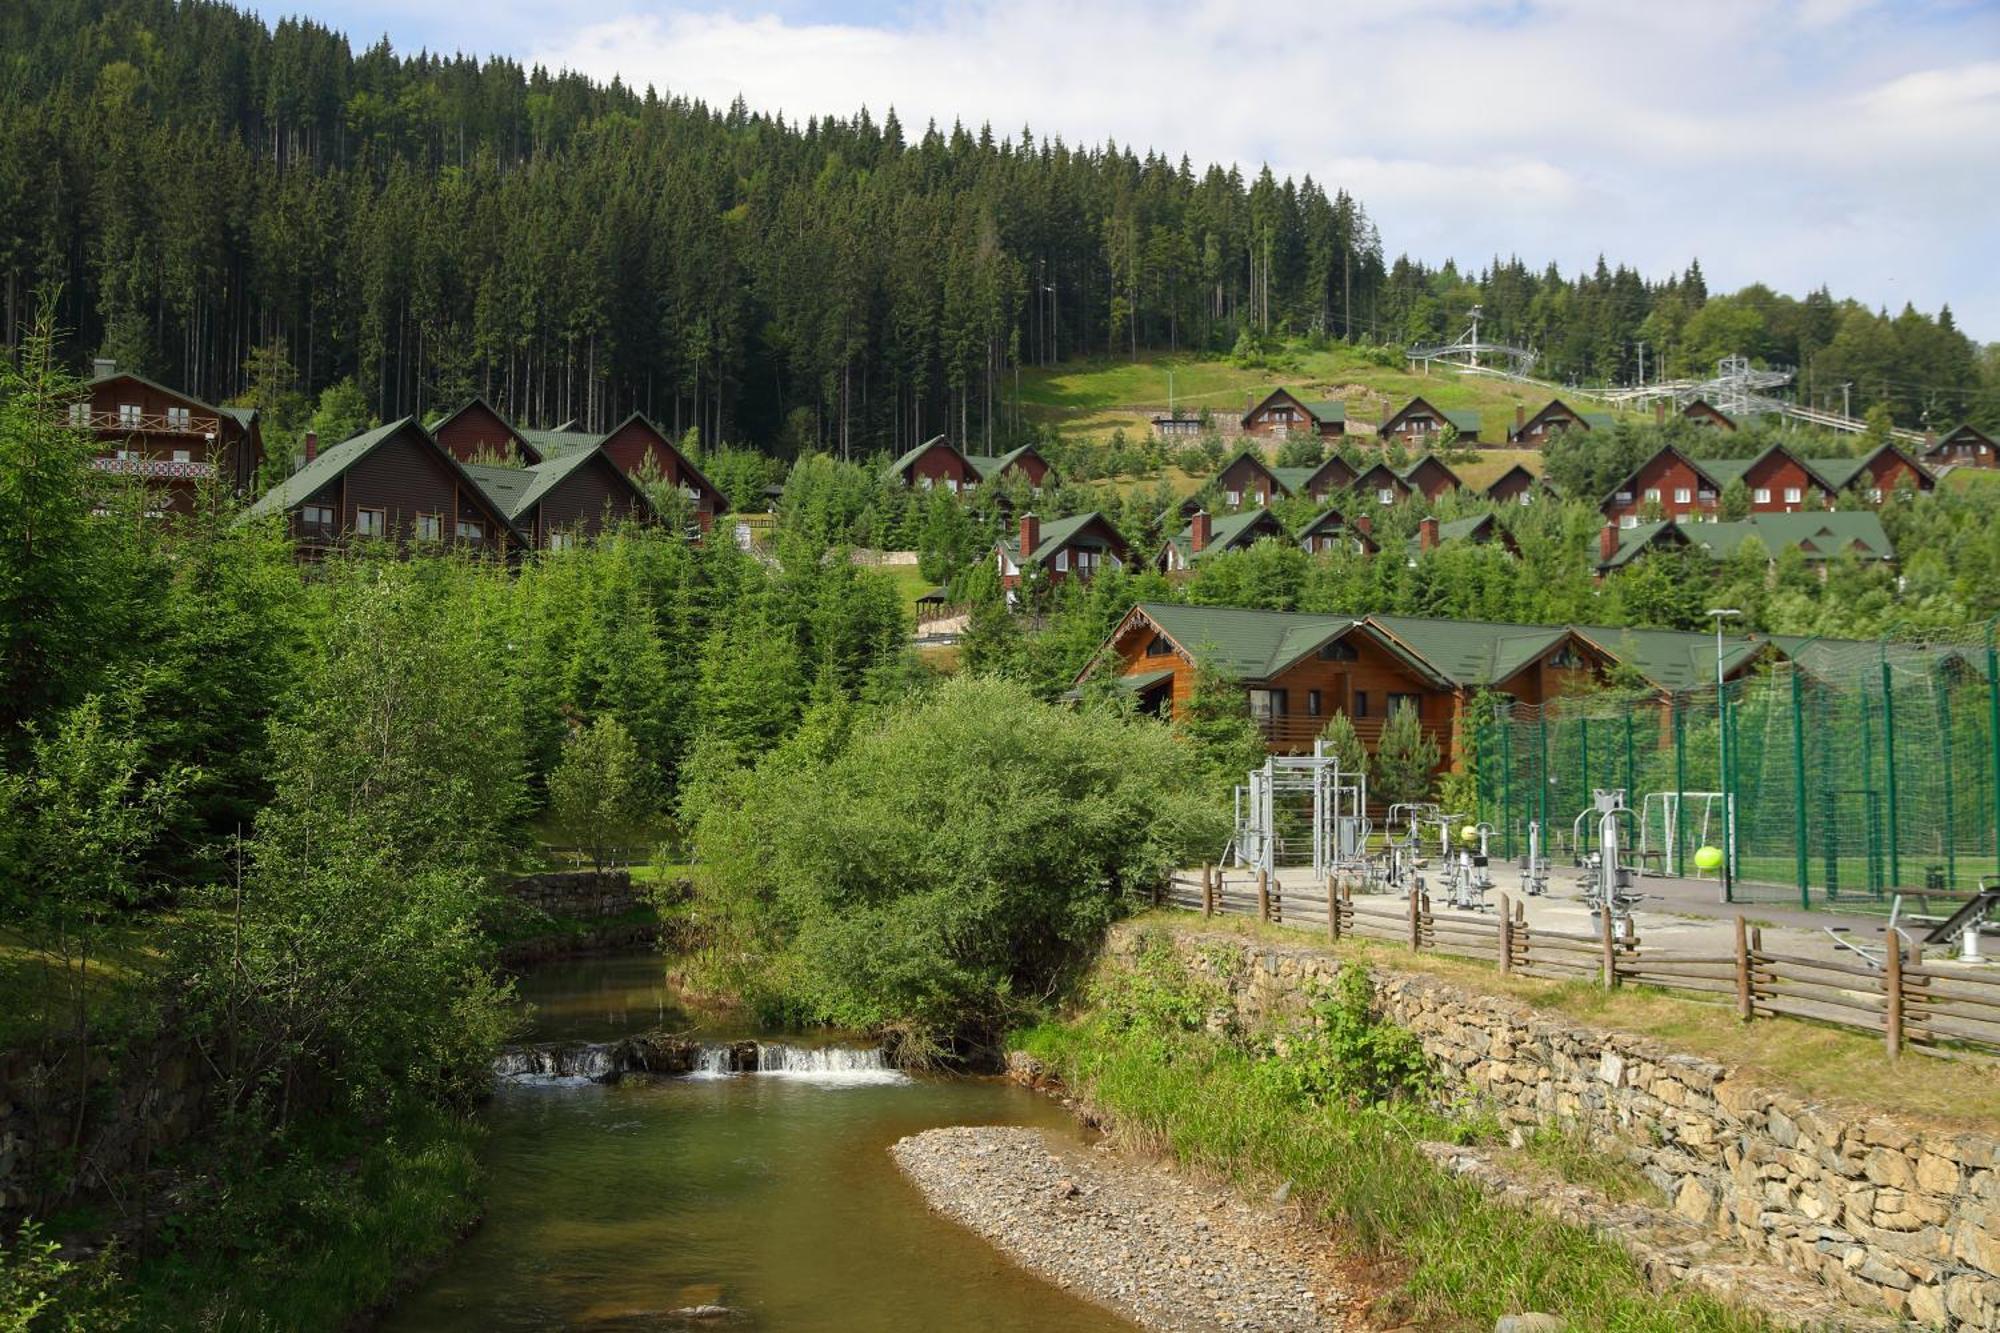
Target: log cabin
[
  {"x": 1297, "y": 669},
  {"x": 477, "y": 433},
  {"x": 1669, "y": 483},
  {"x": 936, "y": 464},
  {"x": 1779, "y": 481},
  {"x": 1430, "y": 478},
  {"x": 1884, "y": 472},
  {"x": 1207, "y": 535},
  {"x": 1701, "y": 412},
  {"x": 170, "y": 441},
  {"x": 1820, "y": 536},
  {"x": 1320, "y": 481},
  {"x": 1516, "y": 486},
  {"x": 1555, "y": 417},
  {"x": 645, "y": 454},
  {"x": 1476, "y": 530},
  {"x": 1967, "y": 446},
  {"x": 1284, "y": 414},
  {"x": 1026, "y": 462},
  {"x": 392, "y": 484},
  {"x": 1416, "y": 423},
  {"x": 1329, "y": 531},
  {"x": 1247, "y": 480},
  {"x": 1075, "y": 548},
  {"x": 566, "y": 499}
]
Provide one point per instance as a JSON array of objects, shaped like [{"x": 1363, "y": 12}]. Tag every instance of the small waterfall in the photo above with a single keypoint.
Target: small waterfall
[
  {"x": 712, "y": 1061},
  {"x": 827, "y": 1064},
  {"x": 562, "y": 1063}
]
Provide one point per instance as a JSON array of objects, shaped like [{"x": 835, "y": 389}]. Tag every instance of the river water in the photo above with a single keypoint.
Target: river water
[{"x": 610, "y": 1206}]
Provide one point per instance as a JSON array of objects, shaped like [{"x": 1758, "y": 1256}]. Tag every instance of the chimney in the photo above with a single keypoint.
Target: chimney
[
  {"x": 312, "y": 445},
  {"x": 103, "y": 368},
  {"x": 1198, "y": 531},
  {"x": 1607, "y": 543},
  {"x": 1659, "y": 411},
  {"x": 1031, "y": 534},
  {"x": 1365, "y": 525},
  {"x": 1427, "y": 534},
  {"x": 1930, "y": 439},
  {"x": 1520, "y": 418}
]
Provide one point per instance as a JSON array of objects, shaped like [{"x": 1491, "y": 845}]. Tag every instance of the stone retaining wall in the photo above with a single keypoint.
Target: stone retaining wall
[
  {"x": 582, "y": 895},
  {"x": 1892, "y": 1215}
]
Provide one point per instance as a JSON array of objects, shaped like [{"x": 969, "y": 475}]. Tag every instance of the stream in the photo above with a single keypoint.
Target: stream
[{"x": 613, "y": 1206}]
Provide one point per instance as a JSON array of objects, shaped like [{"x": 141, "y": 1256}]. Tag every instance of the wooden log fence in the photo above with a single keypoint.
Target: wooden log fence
[{"x": 1907, "y": 1002}]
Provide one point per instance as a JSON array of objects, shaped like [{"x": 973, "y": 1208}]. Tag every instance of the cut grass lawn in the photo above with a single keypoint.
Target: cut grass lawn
[
  {"x": 1095, "y": 397},
  {"x": 1815, "y": 1060}
]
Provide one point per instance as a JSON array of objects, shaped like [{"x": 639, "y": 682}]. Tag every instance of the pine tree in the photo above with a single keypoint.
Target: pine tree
[{"x": 1405, "y": 759}]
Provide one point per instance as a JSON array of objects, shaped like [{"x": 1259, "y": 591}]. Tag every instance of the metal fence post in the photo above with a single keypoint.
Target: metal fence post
[
  {"x": 1679, "y": 859},
  {"x": 1799, "y": 784},
  {"x": 1889, "y": 751},
  {"x": 1507, "y": 785},
  {"x": 1993, "y": 731},
  {"x": 1943, "y": 687}
]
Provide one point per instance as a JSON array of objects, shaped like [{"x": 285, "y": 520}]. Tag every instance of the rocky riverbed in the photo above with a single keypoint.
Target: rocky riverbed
[{"x": 1159, "y": 1249}]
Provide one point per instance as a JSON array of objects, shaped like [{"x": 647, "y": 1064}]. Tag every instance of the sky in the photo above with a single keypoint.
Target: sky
[{"x": 1792, "y": 142}]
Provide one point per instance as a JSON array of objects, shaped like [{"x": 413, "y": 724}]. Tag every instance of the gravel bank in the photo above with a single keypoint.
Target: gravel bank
[{"x": 1159, "y": 1249}]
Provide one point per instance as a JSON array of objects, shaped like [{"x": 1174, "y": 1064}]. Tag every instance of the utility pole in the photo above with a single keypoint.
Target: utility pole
[
  {"x": 1844, "y": 390},
  {"x": 1722, "y": 756},
  {"x": 1642, "y": 363}
]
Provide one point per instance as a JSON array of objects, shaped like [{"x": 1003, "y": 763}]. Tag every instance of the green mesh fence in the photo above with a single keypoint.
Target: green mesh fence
[{"x": 1855, "y": 770}]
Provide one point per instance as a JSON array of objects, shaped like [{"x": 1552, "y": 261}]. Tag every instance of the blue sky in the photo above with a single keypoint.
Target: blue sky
[{"x": 1796, "y": 142}]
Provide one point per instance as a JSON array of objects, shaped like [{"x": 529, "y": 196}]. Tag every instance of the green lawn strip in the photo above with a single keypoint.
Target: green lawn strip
[
  {"x": 1201, "y": 1098},
  {"x": 38, "y": 997}
]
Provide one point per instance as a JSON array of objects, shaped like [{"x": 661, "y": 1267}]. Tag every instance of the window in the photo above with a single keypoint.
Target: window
[
  {"x": 1312, "y": 703},
  {"x": 1525, "y": 497},
  {"x": 1086, "y": 562},
  {"x": 1793, "y": 495},
  {"x": 952, "y": 482},
  {"x": 1682, "y": 495},
  {"x": 1361, "y": 703},
  {"x": 1157, "y": 646},
  {"x": 79, "y": 414},
  {"x": 316, "y": 518},
  {"x": 1622, "y": 498},
  {"x": 1340, "y": 650},
  {"x": 430, "y": 528},
  {"x": 183, "y": 456},
  {"x": 927, "y": 482},
  {"x": 1629, "y": 521},
  {"x": 1566, "y": 658},
  {"x": 1235, "y": 498},
  {"x": 1386, "y": 496},
  {"x": 1397, "y": 700},
  {"x": 1652, "y": 495},
  {"x": 1267, "y": 703},
  {"x": 178, "y": 418},
  {"x": 371, "y": 522},
  {"x": 128, "y": 415},
  {"x": 1062, "y": 562},
  {"x": 471, "y": 530},
  {"x": 561, "y": 541},
  {"x": 1875, "y": 495},
  {"x": 1705, "y": 495},
  {"x": 1762, "y": 495}
]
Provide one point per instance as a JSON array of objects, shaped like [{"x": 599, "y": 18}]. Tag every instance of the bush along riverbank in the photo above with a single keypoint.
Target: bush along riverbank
[{"x": 1338, "y": 1107}]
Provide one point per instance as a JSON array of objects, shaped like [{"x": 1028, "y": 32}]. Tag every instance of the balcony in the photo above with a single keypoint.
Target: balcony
[
  {"x": 1293, "y": 733},
  {"x": 156, "y": 469},
  {"x": 144, "y": 423}
]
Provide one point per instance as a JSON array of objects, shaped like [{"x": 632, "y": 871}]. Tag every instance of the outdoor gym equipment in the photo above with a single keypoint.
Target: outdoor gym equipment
[
  {"x": 1535, "y": 872},
  {"x": 1671, "y": 806},
  {"x": 1607, "y": 880},
  {"x": 1299, "y": 810},
  {"x": 1960, "y": 929},
  {"x": 1468, "y": 874}
]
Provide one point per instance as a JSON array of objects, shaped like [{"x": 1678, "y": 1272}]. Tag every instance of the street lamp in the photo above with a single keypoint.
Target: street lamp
[{"x": 1720, "y": 614}]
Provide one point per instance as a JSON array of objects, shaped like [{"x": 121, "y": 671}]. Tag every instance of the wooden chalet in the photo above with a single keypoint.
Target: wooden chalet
[
  {"x": 1283, "y": 413},
  {"x": 477, "y": 433},
  {"x": 644, "y": 453},
  {"x": 1476, "y": 530},
  {"x": 1886, "y": 471},
  {"x": 1669, "y": 484},
  {"x": 569, "y": 498},
  {"x": 1207, "y": 535},
  {"x": 1417, "y": 423},
  {"x": 1820, "y": 536},
  {"x": 1025, "y": 462},
  {"x": 1334, "y": 475},
  {"x": 1967, "y": 446},
  {"x": 1247, "y": 480},
  {"x": 1703, "y": 413},
  {"x": 1176, "y": 427},
  {"x": 1298, "y": 669},
  {"x": 1517, "y": 486},
  {"x": 1430, "y": 478},
  {"x": 1555, "y": 417},
  {"x": 1329, "y": 531},
  {"x": 1076, "y": 548},
  {"x": 1779, "y": 481},
  {"x": 1382, "y": 484},
  {"x": 392, "y": 484},
  {"x": 169, "y": 440},
  {"x": 938, "y": 464}
]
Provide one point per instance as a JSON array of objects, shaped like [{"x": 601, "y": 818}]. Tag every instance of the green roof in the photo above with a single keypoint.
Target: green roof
[
  {"x": 309, "y": 480},
  {"x": 1053, "y": 535},
  {"x": 1455, "y": 531},
  {"x": 1225, "y": 532},
  {"x": 1327, "y": 409},
  {"x": 515, "y": 490},
  {"x": 989, "y": 466},
  {"x": 1820, "y": 534},
  {"x": 1472, "y": 652},
  {"x": 1294, "y": 479},
  {"x": 1467, "y": 421},
  {"x": 548, "y": 442}
]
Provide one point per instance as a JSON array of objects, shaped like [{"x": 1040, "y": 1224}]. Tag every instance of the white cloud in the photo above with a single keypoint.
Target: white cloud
[{"x": 1797, "y": 142}]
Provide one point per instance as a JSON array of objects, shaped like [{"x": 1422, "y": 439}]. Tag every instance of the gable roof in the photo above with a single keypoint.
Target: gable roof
[
  {"x": 1331, "y": 522},
  {"x": 1258, "y": 645},
  {"x": 1408, "y": 473},
  {"x": 1227, "y": 532},
  {"x": 1839, "y": 473},
  {"x": 245, "y": 417},
  {"x": 1819, "y": 535},
  {"x": 1512, "y": 468},
  {"x": 1963, "y": 433},
  {"x": 1726, "y": 470},
  {"x": 1054, "y": 535},
  {"x": 309, "y": 480},
  {"x": 1466, "y": 422},
  {"x": 1629, "y": 484},
  {"x": 1588, "y": 420},
  {"x": 1478, "y": 528},
  {"x": 534, "y": 455},
  {"x": 1324, "y": 410},
  {"x": 516, "y": 490},
  {"x": 988, "y": 466},
  {"x": 1256, "y": 460}
]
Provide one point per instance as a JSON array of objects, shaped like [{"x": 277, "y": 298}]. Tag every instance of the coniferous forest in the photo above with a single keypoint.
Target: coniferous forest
[{"x": 213, "y": 196}]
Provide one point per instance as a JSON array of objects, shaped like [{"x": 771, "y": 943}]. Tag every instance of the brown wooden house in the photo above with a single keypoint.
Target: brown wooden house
[
  {"x": 171, "y": 441},
  {"x": 1554, "y": 417},
  {"x": 1516, "y": 486},
  {"x": 1670, "y": 484},
  {"x": 1248, "y": 480},
  {"x": 1284, "y": 414},
  {"x": 1419, "y": 425},
  {"x": 566, "y": 499},
  {"x": 1883, "y": 473},
  {"x": 644, "y": 453},
  {"x": 1430, "y": 478},
  {"x": 476, "y": 433},
  {"x": 1701, "y": 412},
  {"x": 1075, "y": 548},
  {"x": 392, "y": 484},
  {"x": 1329, "y": 531},
  {"x": 1967, "y": 446},
  {"x": 1779, "y": 481},
  {"x": 1208, "y": 535}
]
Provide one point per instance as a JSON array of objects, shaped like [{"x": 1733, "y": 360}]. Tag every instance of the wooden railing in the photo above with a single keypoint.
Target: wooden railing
[
  {"x": 155, "y": 468},
  {"x": 1296, "y": 731},
  {"x": 147, "y": 423},
  {"x": 1903, "y": 1000}
]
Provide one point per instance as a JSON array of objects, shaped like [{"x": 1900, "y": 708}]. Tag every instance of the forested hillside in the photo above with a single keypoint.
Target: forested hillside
[{"x": 220, "y": 202}]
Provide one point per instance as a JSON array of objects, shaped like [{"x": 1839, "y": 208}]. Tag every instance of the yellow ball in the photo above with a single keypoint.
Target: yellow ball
[
  {"x": 1708, "y": 858},
  {"x": 1469, "y": 834}
]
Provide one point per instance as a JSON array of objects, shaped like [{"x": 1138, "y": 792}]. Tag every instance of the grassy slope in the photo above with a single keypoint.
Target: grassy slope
[{"x": 1817, "y": 1061}]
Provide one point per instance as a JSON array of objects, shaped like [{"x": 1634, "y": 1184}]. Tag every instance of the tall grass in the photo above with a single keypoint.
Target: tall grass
[{"x": 1213, "y": 1102}]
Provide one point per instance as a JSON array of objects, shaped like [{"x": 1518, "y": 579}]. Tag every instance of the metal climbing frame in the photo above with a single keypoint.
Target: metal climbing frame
[{"x": 1301, "y": 810}]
